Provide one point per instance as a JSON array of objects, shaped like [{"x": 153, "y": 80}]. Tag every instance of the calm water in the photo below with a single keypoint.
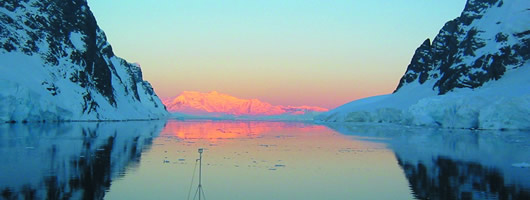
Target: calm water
[{"x": 260, "y": 160}]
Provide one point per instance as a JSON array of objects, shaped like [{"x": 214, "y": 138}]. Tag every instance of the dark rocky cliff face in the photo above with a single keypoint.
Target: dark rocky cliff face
[
  {"x": 53, "y": 24},
  {"x": 477, "y": 47},
  {"x": 66, "y": 36}
]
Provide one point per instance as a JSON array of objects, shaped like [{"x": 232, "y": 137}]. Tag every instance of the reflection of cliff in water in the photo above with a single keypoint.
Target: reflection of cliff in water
[
  {"x": 452, "y": 179},
  {"x": 69, "y": 160},
  {"x": 454, "y": 164}
]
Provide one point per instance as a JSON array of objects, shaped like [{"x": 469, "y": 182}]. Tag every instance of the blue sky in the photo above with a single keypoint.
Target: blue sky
[{"x": 322, "y": 53}]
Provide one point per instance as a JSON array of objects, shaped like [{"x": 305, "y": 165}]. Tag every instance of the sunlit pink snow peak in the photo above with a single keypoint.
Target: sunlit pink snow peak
[{"x": 196, "y": 103}]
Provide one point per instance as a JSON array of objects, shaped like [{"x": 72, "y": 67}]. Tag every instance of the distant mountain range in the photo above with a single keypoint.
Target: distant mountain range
[
  {"x": 57, "y": 65},
  {"x": 474, "y": 74},
  {"x": 218, "y": 104}
]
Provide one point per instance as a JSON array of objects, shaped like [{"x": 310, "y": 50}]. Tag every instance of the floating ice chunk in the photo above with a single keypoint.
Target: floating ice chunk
[{"x": 521, "y": 165}]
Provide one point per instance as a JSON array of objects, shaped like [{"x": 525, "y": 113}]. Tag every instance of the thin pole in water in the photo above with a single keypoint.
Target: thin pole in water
[
  {"x": 199, "y": 188},
  {"x": 200, "y": 172}
]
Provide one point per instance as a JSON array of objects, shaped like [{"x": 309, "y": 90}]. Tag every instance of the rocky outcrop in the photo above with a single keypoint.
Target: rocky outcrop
[
  {"x": 477, "y": 47},
  {"x": 474, "y": 74},
  {"x": 73, "y": 68}
]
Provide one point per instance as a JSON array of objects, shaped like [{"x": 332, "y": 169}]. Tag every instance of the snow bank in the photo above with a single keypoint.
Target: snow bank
[{"x": 501, "y": 104}]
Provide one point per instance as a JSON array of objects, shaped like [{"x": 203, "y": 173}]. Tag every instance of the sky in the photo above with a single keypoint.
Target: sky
[{"x": 317, "y": 53}]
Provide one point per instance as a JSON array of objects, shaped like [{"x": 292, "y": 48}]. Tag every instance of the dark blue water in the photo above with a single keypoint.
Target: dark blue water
[{"x": 260, "y": 160}]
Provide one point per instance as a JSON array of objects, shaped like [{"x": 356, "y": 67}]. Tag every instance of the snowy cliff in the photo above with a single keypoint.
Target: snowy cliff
[
  {"x": 474, "y": 74},
  {"x": 56, "y": 64}
]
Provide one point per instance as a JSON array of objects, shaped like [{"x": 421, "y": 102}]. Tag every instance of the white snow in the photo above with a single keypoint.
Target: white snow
[
  {"x": 498, "y": 104},
  {"x": 31, "y": 90},
  {"x": 501, "y": 104},
  {"x": 77, "y": 40},
  {"x": 25, "y": 96}
]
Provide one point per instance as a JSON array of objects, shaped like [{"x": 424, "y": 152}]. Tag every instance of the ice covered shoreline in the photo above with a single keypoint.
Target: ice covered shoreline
[{"x": 498, "y": 105}]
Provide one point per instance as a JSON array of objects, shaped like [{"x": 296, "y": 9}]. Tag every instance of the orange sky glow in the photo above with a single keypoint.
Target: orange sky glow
[{"x": 289, "y": 53}]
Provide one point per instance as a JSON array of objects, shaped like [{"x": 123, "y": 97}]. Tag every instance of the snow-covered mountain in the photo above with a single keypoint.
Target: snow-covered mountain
[
  {"x": 474, "y": 74},
  {"x": 56, "y": 64},
  {"x": 218, "y": 104}
]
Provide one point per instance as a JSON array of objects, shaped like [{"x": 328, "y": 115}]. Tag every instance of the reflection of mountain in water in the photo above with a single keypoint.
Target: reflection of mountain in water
[
  {"x": 229, "y": 129},
  {"x": 452, "y": 179},
  {"x": 455, "y": 164},
  {"x": 69, "y": 160}
]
